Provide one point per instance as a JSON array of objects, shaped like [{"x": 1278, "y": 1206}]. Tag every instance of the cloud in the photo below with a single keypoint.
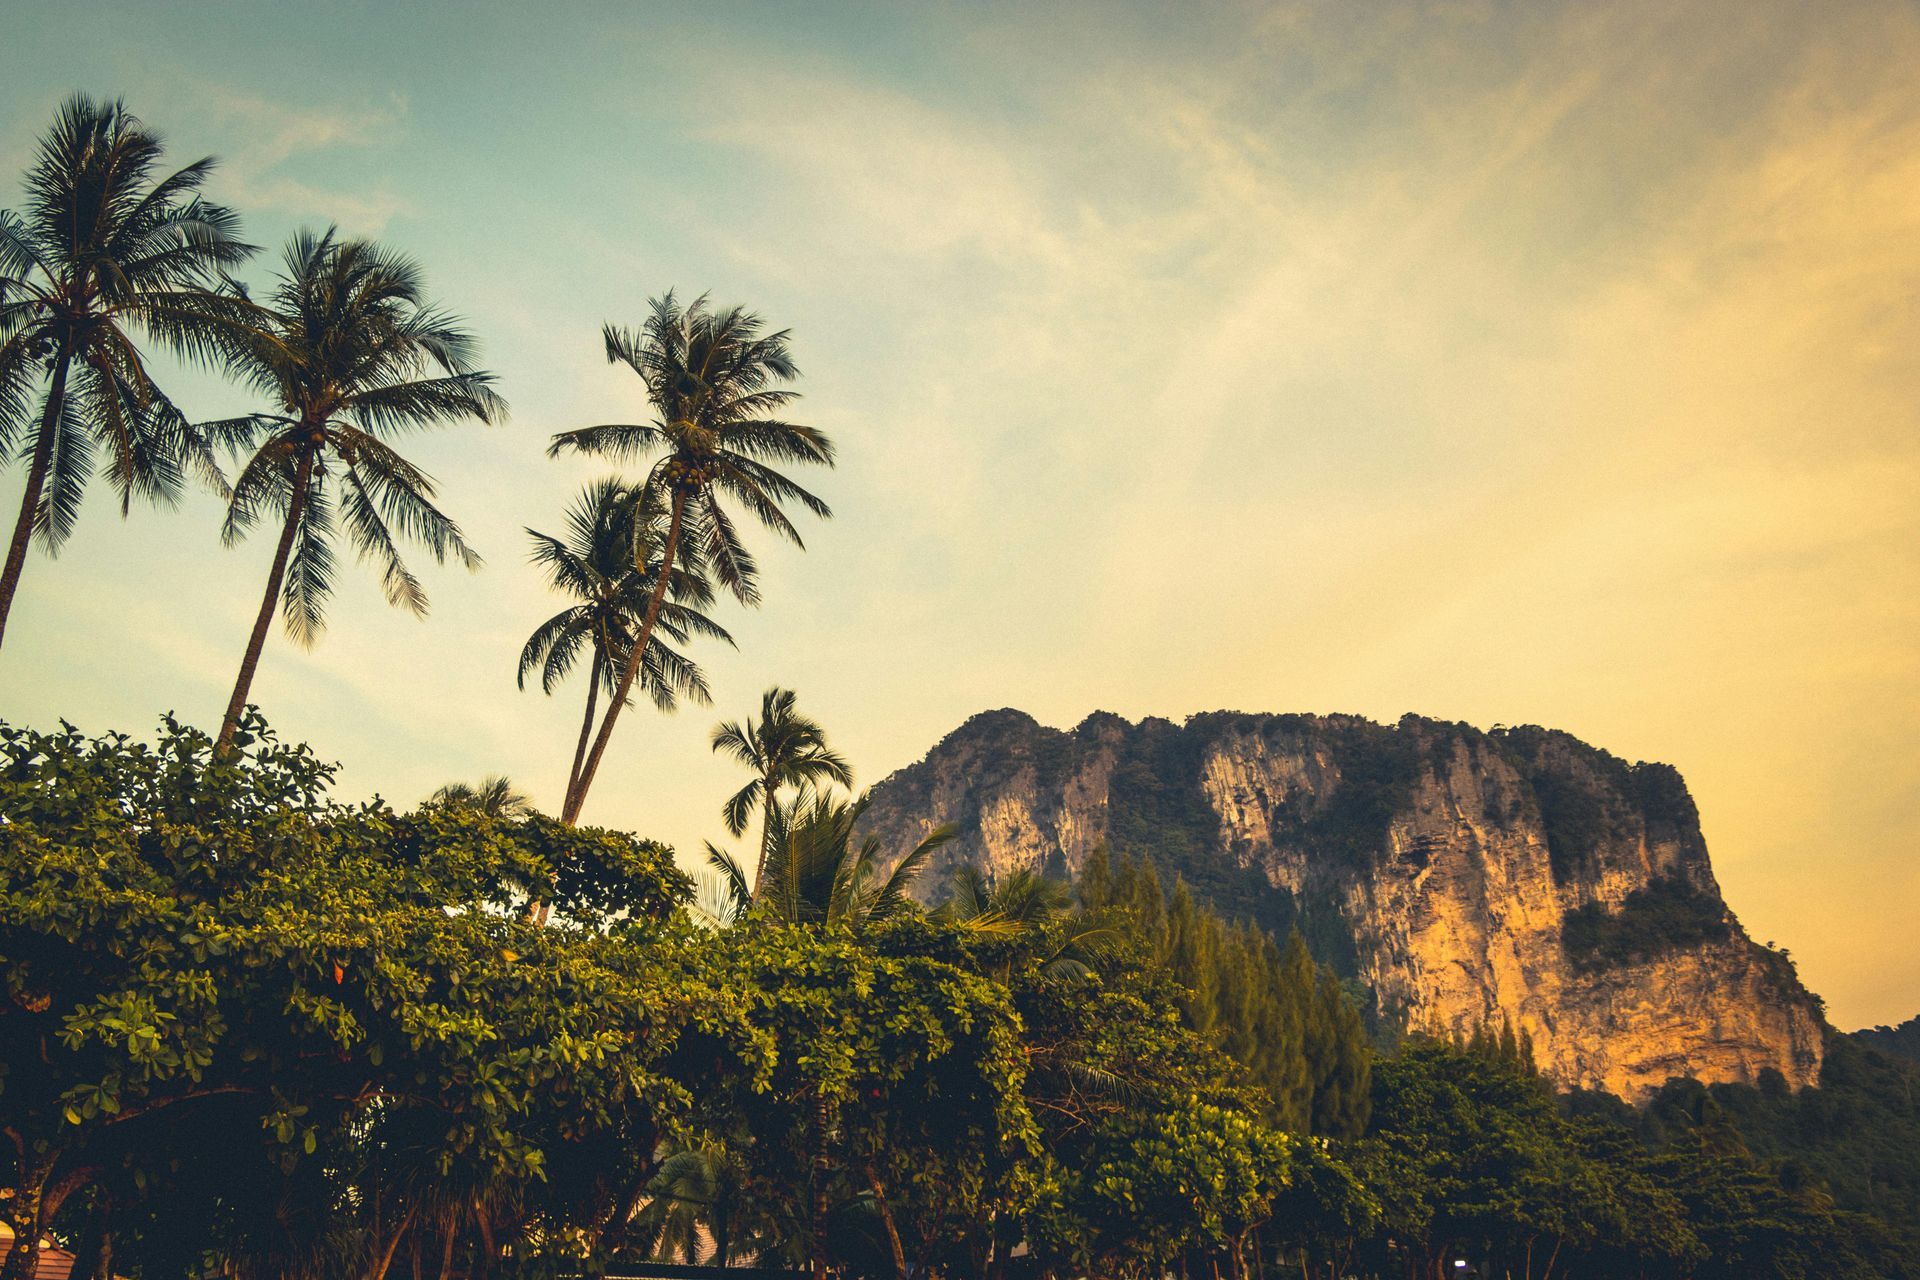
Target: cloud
[
  {"x": 1565, "y": 375},
  {"x": 274, "y": 140}
]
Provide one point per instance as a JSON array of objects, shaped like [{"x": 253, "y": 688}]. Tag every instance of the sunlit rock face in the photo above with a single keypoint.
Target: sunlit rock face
[{"x": 1465, "y": 877}]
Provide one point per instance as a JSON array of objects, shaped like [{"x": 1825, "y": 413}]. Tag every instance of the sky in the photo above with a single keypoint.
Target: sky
[{"x": 1529, "y": 363}]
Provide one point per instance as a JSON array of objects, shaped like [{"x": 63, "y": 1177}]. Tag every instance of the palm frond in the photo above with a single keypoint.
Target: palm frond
[
  {"x": 309, "y": 581},
  {"x": 893, "y": 893},
  {"x": 412, "y": 406},
  {"x": 734, "y": 876},
  {"x": 68, "y": 466},
  {"x": 739, "y": 808},
  {"x": 564, "y": 627},
  {"x": 373, "y": 540},
  {"x": 404, "y": 496},
  {"x": 617, "y": 441},
  {"x": 264, "y": 485},
  {"x": 738, "y": 741},
  {"x": 721, "y": 550}
]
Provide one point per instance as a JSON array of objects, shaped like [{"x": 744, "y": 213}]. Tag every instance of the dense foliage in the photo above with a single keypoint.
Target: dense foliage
[
  {"x": 1282, "y": 1017},
  {"x": 252, "y": 1031},
  {"x": 1858, "y": 1134},
  {"x": 1666, "y": 914},
  {"x": 301, "y": 1016},
  {"x": 1902, "y": 1041}
]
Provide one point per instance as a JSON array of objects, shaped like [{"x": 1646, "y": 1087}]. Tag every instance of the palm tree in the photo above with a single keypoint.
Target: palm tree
[
  {"x": 612, "y": 528},
  {"x": 1022, "y": 897},
  {"x": 784, "y": 749},
  {"x": 102, "y": 249},
  {"x": 820, "y": 873},
  {"x": 698, "y": 1185},
  {"x": 350, "y": 353},
  {"x": 712, "y": 378},
  {"x": 1040, "y": 913},
  {"x": 495, "y": 796}
]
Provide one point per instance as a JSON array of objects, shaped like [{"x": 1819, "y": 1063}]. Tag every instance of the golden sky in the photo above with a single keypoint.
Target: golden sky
[{"x": 1535, "y": 363}]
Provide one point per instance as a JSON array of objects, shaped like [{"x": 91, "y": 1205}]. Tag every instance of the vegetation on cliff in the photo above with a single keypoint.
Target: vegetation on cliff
[
  {"x": 1665, "y": 914},
  {"x": 1857, "y": 1134},
  {"x": 1285, "y": 1019}
]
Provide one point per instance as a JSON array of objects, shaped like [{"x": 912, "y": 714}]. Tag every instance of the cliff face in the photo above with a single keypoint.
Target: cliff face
[{"x": 1462, "y": 876}]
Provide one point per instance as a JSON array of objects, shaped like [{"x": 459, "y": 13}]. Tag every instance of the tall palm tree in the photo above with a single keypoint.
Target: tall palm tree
[
  {"x": 611, "y": 528},
  {"x": 784, "y": 749},
  {"x": 495, "y": 796},
  {"x": 350, "y": 353},
  {"x": 713, "y": 380},
  {"x": 101, "y": 250}
]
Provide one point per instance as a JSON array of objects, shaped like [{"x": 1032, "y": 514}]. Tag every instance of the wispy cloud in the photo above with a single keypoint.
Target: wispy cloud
[
  {"x": 1592, "y": 351},
  {"x": 274, "y": 140}
]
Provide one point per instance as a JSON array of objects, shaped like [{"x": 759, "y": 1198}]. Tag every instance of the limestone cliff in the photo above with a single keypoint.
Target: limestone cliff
[{"x": 1463, "y": 876}]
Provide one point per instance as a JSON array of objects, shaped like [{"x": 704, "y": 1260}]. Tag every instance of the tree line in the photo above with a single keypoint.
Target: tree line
[{"x": 249, "y": 1030}]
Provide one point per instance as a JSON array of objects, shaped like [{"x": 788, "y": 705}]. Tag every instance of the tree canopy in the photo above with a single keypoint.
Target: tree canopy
[{"x": 251, "y": 1030}]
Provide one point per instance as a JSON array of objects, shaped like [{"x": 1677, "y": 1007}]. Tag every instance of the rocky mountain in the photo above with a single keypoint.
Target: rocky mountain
[{"x": 1462, "y": 876}]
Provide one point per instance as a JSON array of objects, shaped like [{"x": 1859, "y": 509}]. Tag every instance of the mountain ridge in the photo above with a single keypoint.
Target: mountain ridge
[{"x": 1462, "y": 875}]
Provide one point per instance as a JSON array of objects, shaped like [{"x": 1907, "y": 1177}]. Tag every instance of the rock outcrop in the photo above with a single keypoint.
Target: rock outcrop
[{"x": 1464, "y": 877}]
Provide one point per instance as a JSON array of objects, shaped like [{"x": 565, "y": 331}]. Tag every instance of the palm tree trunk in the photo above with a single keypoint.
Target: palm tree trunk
[
  {"x": 672, "y": 545},
  {"x": 296, "y": 505},
  {"x": 586, "y": 729},
  {"x": 36, "y": 481},
  {"x": 822, "y": 1119},
  {"x": 766, "y": 832},
  {"x": 24, "y": 1213}
]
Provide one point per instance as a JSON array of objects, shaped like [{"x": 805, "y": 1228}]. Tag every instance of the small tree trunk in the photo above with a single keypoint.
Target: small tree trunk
[
  {"x": 1553, "y": 1258},
  {"x": 667, "y": 552},
  {"x": 36, "y": 481},
  {"x": 250, "y": 660},
  {"x": 484, "y": 1258},
  {"x": 886, "y": 1217},
  {"x": 93, "y": 1251},
  {"x": 35, "y": 1200},
  {"x": 385, "y": 1260},
  {"x": 1005, "y": 1235}
]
